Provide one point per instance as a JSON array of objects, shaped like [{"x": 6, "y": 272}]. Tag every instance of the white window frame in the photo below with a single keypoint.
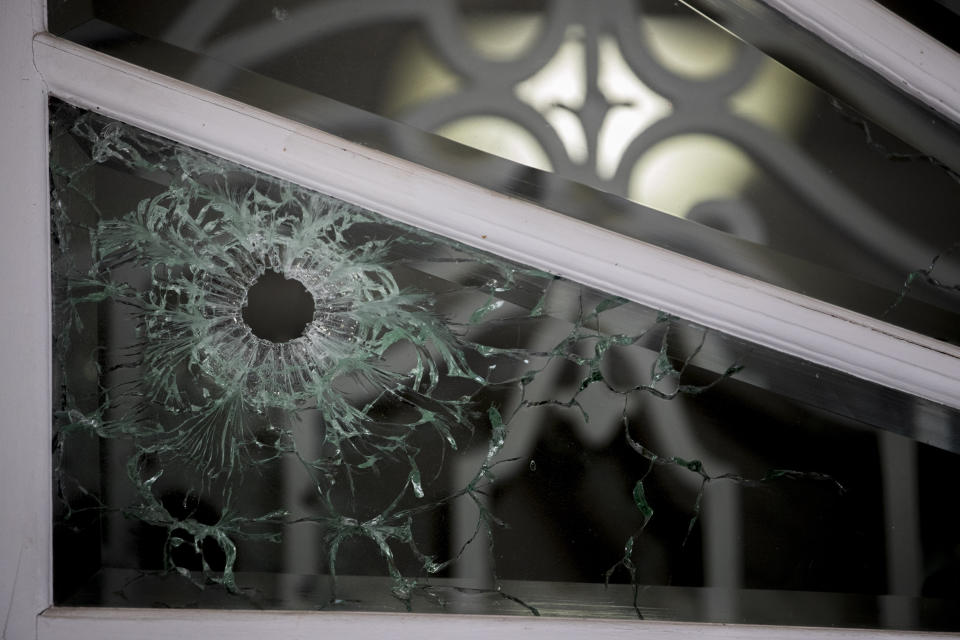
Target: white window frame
[{"x": 34, "y": 65}]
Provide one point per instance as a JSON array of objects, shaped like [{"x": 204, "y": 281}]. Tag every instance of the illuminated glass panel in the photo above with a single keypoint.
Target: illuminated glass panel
[{"x": 614, "y": 112}]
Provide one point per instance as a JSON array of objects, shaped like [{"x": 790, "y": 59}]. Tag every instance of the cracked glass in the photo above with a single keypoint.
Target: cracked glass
[
  {"x": 268, "y": 398},
  {"x": 644, "y": 117}
]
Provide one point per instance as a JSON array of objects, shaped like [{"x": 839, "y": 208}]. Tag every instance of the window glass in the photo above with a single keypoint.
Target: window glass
[
  {"x": 644, "y": 118},
  {"x": 267, "y": 398}
]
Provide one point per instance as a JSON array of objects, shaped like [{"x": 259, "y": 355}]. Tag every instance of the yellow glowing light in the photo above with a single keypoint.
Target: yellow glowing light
[
  {"x": 689, "y": 46},
  {"x": 571, "y": 133},
  {"x": 676, "y": 174},
  {"x": 673, "y": 176},
  {"x": 558, "y": 90},
  {"x": 502, "y": 36},
  {"x": 563, "y": 80},
  {"x": 775, "y": 97},
  {"x": 418, "y": 77},
  {"x": 641, "y": 106},
  {"x": 498, "y": 136}
]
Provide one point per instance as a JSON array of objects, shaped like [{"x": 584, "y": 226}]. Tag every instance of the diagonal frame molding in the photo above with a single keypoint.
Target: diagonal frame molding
[
  {"x": 903, "y": 54},
  {"x": 765, "y": 314}
]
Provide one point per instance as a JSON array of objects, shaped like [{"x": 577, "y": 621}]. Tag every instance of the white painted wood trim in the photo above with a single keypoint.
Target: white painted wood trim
[
  {"x": 881, "y": 40},
  {"x": 762, "y": 313},
  {"x": 25, "y": 355},
  {"x": 157, "y": 624}
]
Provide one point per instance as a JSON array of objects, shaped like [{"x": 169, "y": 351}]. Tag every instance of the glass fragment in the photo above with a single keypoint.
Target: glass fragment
[{"x": 443, "y": 429}]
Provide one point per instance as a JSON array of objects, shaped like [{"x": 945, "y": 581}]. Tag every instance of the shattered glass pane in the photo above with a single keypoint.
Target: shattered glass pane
[
  {"x": 639, "y": 116},
  {"x": 269, "y": 398}
]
